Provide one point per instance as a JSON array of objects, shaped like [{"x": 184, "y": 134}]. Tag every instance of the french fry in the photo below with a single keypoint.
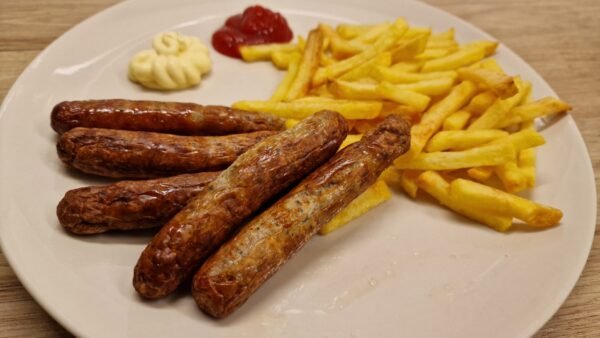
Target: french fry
[
  {"x": 444, "y": 36},
  {"x": 480, "y": 103},
  {"x": 349, "y": 31},
  {"x": 308, "y": 66},
  {"x": 527, "y": 160},
  {"x": 373, "y": 33},
  {"x": 528, "y": 112},
  {"x": 433, "y": 53},
  {"x": 402, "y": 96},
  {"x": 341, "y": 48},
  {"x": 417, "y": 31},
  {"x": 305, "y": 107},
  {"x": 512, "y": 178},
  {"x": 285, "y": 84},
  {"x": 262, "y": 52},
  {"x": 409, "y": 47},
  {"x": 282, "y": 60},
  {"x": 460, "y": 58},
  {"x": 462, "y": 139},
  {"x": 369, "y": 199},
  {"x": 354, "y": 90},
  {"x": 489, "y": 64},
  {"x": 488, "y": 47},
  {"x": 367, "y": 68},
  {"x": 320, "y": 91},
  {"x": 407, "y": 67},
  {"x": 435, "y": 185},
  {"x": 486, "y": 155},
  {"x": 457, "y": 121},
  {"x": 475, "y": 195},
  {"x": 351, "y": 138},
  {"x": 500, "y": 109},
  {"x": 385, "y": 42},
  {"x": 290, "y": 123},
  {"x": 408, "y": 182},
  {"x": 524, "y": 139},
  {"x": 434, "y": 117},
  {"x": 481, "y": 174},
  {"x": 431, "y": 87},
  {"x": 391, "y": 176},
  {"x": 500, "y": 84},
  {"x": 393, "y": 75}
]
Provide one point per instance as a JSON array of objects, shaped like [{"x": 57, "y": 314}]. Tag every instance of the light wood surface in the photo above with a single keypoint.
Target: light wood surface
[{"x": 560, "y": 39}]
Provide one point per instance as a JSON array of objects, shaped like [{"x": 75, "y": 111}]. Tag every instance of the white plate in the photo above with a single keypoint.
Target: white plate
[{"x": 407, "y": 268}]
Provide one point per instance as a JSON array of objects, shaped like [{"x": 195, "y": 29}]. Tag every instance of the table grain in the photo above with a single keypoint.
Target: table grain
[{"x": 560, "y": 39}]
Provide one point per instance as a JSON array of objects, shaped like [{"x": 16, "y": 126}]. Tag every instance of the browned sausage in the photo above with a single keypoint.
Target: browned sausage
[
  {"x": 128, "y": 205},
  {"x": 245, "y": 262},
  {"x": 254, "y": 178},
  {"x": 166, "y": 117},
  {"x": 139, "y": 154}
]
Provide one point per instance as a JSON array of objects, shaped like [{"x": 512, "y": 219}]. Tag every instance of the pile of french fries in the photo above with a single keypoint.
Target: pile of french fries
[{"x": 473, "y": 138}]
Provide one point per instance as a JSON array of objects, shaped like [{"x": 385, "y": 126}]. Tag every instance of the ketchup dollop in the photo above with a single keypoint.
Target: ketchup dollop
[{"x": 257, "y": 25}]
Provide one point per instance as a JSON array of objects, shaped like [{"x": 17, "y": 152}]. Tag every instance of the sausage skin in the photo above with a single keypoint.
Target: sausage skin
[
  {"x": 165, "y": 117},
  {"x": 230, "y": 276},
  {"x": 254, "y": 178},
  {"x": 139, "y": 154},
  {"x": 128, "y": 205}
]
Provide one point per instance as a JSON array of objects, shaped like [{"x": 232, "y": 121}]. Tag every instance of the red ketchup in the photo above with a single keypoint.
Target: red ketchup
[{"x": 257, "y": 25}]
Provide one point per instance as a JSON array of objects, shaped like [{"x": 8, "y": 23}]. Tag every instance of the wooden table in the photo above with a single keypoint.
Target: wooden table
[{"x": 560, "y": 39}]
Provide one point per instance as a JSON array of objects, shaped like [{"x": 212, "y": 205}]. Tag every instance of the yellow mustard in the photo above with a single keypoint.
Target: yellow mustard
[{"x": 175, "y": 62}]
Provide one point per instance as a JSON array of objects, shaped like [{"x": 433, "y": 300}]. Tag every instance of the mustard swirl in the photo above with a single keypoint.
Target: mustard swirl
[{"x": 175, "y": 62}]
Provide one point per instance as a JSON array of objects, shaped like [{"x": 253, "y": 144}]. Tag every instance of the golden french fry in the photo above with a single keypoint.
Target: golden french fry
[
  {"x": 385, "y": 42},
  {"x": 367, "y": 68},
  {"x": 354, "y": 90},
  {"x": 435, "y": 185},
  {"x": 434, "y": 117},
  {"x": 433, "y": 53},
  {"x": 417, "y": 31},
  {"x": 500, "y": 84},
  {"x": 349, "y": 31},
  {"x": 462, "y": 139},
  {"x": 408, "y": 182},
  {"x": 373, "y": 33},
  {"x": 285, "y": 84},
  {"x": 252, "y": 53},
  {"x": 341, "y": 48},
  {"x": 488, "y": 47},
  {"x": 406, "y": 67},
  {"x": 305, "y": 107},
  {"x": 457, "y": 121},
  {"x": 489, "y": 64},
  {"x": 444, "y": 36},
  {"x": 462, "y": 57},
  {"x": 308, "y": 66},
  {"x": 351, "y": 138},
  {"x": 481, "y": 174},
  {"x": 409, "y": 47},
  {"x": 290, "y": 123},
  {"x": 480, "y": 103},
  {"x": 530, "y": 111},
  {"x": 431, "y": 87},
  {"x": 524, "y": 139},
  {"x": 527, "y": 159},
  {"x": 369, "y": 199},
  {"x": 391, "y": 176},
  {"x": 500, "y": 109},
  {"x": 513, "y": 179},
  {"x": 393, "y": 75},
  {"x": 402, "y": 96},
  {"x": 486, "y": 155},
  {"x": 480, "y": 196}
]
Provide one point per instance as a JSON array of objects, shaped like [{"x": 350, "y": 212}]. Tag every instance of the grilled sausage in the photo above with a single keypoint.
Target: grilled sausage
[
  {"x": 128, "y": 205},
  {"x": 254, "y": 178},
  {"x": 139, "y": 154},
  {"x": 245, "y": 262},
  {"x": 166, "y": 117}
]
